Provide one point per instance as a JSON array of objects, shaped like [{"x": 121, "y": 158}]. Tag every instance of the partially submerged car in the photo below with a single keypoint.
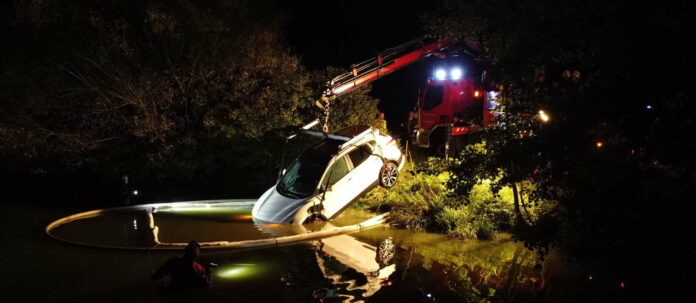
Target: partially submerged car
[{"x": 329, "y": 176}]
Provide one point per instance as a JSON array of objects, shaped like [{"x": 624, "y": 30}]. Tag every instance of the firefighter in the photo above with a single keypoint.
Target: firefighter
[
  {"x": 380, "y": 124},
  {"x": 126, "y": 190},
  {"x": 184, "y": 271}
]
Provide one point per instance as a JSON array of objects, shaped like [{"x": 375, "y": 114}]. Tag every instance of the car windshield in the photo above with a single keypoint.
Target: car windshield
[{"x": 301, "y": 178}]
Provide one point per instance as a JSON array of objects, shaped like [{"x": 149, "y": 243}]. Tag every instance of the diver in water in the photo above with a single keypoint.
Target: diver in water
[{"x": 185, "y": 271}]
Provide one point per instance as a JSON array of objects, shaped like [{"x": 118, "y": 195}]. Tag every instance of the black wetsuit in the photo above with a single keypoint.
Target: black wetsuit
[{"x": 184, "y": 273}]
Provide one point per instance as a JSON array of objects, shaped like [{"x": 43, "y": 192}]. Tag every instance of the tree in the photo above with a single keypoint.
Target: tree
[
  {"x": 166, "y": 84},
  {"x": 354, "y": 108},
  {"x": 609, "y": 75},
  {"x": 163, "y": 89}
]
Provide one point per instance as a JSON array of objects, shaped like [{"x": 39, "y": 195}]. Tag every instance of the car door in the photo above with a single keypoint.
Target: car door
[
  {"x": 340, "y": 190},
  {"x": 366, "y": 166}
]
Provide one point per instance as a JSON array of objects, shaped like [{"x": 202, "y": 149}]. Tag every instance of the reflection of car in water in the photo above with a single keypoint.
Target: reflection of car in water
[
  {"x": 355, "y": 269},
  {"x": 326, "y": 178},
  {"x": 336, "y": 256}
]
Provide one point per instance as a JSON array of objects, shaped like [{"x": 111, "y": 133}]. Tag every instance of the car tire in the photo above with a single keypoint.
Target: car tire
[{"x": 388, "y": 174}]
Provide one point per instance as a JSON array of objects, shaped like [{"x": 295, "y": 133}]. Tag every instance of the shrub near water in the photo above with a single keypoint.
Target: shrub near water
[
  {"x": 422, "y": 201},
  {"x": 481, "y": 217},
  {"x": 413, "y": 201}
]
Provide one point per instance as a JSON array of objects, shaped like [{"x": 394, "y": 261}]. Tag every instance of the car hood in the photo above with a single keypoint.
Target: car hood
[{"x": 272, "y": 207}]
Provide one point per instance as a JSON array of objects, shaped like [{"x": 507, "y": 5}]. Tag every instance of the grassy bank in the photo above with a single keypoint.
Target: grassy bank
[{"x": 421, "y": 200}]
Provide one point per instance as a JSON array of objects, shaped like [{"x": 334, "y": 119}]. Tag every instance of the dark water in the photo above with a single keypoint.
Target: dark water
[
  {"x": 425, "y": 266},
  {"x": 177, "y": 222}
]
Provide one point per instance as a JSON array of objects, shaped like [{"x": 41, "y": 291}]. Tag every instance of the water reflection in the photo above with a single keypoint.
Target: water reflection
[
  {"x": 352, "y": 267},
  {"x": 434, "y": 266},
  {"x": 173, "y": 223},
  {"x": 424, "y": 267},
  {"x": 450, "y": 269},
  {"x": 353, "y": 270}
]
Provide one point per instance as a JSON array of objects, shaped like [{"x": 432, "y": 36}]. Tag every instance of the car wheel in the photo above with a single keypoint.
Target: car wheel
[{"x": 388, "y": 175}]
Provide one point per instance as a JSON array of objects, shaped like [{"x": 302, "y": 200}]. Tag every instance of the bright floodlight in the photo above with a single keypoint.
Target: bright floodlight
[
  {"x": 543, "y": 116},
  {"x": 440, "y": 74},
  {"x": 456, "y": 73}
]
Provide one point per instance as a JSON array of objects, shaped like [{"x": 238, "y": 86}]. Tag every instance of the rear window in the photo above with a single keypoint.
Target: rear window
[{"x": 359, "y": 155}]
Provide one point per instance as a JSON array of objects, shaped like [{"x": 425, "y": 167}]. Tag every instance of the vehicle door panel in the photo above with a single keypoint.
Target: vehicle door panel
[
  {"x": 340, "y": 192},
  {"x": 366, "y": 171}
]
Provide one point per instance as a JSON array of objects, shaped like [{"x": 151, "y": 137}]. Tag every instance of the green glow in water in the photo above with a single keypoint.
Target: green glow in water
[{"x": 237, "y": 271}]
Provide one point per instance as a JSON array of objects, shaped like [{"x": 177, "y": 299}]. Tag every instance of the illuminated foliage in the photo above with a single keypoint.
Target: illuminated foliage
[
  {"x": 598, "y": 69},
  {"x": 163, "y": 89},
  {"x": 423, "y": 201}
]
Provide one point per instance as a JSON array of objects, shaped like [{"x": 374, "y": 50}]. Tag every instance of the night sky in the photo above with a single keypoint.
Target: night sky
[{"x": 341, "y": 33}]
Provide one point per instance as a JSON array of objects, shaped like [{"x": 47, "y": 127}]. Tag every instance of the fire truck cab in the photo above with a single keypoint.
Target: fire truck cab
[{"x": 453, "y": 102}]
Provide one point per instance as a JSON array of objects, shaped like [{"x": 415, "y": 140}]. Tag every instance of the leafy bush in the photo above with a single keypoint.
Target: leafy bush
[
  {"x": 484, "y": 215},
  {"x": 421, "y": 200},
  {"x": 413, "y": 202}
]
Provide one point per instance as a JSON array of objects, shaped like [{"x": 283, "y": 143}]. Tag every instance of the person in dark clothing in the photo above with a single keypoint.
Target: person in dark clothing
[{"x": 184, "y": 271}]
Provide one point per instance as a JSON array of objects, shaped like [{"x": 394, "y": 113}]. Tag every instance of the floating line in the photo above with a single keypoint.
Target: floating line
[{"x": 258, "y": 243}]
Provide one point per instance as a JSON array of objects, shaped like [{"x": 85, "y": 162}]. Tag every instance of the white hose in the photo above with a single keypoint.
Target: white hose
[{"x": 258, "y": 243}]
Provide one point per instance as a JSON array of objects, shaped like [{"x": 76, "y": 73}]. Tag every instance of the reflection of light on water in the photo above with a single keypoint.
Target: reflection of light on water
[
  {"x": 136, "y": 222},
  {"x": 207, "y": 209},
  {"x": 243, "y": 217},
  {"x": 272, "y": 225},
  {"x": 236, "y": 271}
]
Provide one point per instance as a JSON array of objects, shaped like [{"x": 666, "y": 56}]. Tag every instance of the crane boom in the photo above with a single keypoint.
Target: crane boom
[{"x": 385, "y": 63}]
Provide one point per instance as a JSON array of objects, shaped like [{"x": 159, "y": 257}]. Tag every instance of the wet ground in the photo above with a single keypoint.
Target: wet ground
[{"x": 424, "y": 267}]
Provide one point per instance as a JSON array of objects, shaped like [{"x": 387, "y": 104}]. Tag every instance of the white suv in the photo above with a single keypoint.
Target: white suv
[{"x": 327, "y": 177}]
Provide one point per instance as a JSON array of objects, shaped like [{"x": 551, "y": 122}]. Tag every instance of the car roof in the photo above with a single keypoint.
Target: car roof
[
  {"x": 352, "y": 131},
  {"x": 322, "y": 152},
  {"x": 344, "y": 135}
]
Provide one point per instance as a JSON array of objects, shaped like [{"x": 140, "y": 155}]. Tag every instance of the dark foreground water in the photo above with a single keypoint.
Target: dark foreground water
[{"x": 426, "y": 267}]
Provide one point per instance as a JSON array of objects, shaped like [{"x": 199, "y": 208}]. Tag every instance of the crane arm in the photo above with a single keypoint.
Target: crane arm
[{"x": 385, "y": 63}]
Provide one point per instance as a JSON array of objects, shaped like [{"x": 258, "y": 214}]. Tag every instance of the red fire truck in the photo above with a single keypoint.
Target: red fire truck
[{"x": 453, "y": 101}]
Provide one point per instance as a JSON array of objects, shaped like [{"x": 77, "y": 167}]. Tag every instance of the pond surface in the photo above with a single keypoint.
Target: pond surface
[
  {"x": 425, "y": 267},
  {"x": 177, "y": 222}
]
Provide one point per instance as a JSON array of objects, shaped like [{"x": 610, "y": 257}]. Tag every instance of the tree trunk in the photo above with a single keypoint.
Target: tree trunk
[
  {"x": 524, "y": 206},
  {"x": 518, "y": 211}
]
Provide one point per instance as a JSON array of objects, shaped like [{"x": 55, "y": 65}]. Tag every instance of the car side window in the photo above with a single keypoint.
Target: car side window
[
  {"x": 338, "y": 170},
  {"x": 370, "y": 146},
  {"x": 360, "y": 154}
]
